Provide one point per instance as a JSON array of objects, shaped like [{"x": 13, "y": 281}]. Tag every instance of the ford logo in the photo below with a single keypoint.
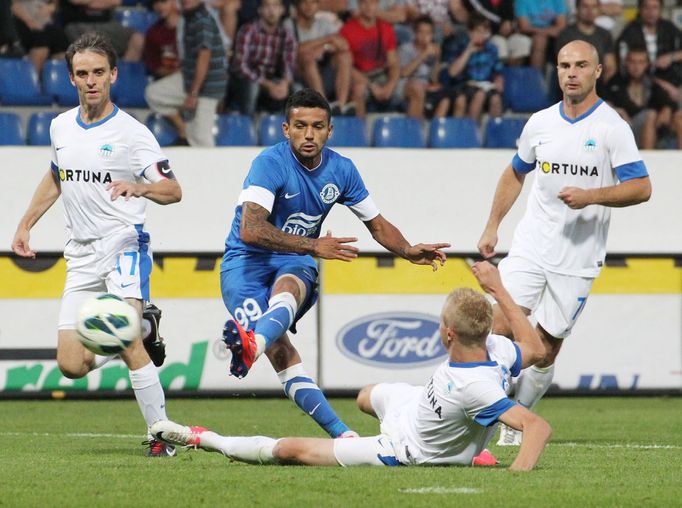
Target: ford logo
[{"x": 400, "y": 338}]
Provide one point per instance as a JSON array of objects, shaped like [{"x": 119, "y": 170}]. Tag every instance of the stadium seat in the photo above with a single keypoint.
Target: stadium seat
[
  {"x": 503, "y": 132},
  {"x": 349, "y": 131},
  {"x": 39, "y": 128},
  {"x": 163, "y": 130},
  {"x": 19, "y": 84},
  {"x": 525, "y": 90},
  {"x": 57, "y": 84},
  {"x": 398, "y": 132},
  {"x": 270, "y": 130},
  {"x": 128, "y": 91},
  {"x": 454, "y": 133},
  {"x": 138, "y": 19},
  {"x": 10, "y": 129},
  {"x": 235, "y": 130}
]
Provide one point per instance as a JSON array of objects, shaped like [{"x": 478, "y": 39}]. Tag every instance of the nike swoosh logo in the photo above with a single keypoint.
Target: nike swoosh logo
[
  {"x": 127, "y": 285},
  {"x": 289, "y": 196},
  {"x": 314, "y": 409},
  {"x": 59, "y": 148},
  {"x": 276, "y": 321},
  {"x": 165, "y": 170}
]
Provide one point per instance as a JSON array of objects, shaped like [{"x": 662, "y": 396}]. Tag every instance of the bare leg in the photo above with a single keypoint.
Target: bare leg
[
  {"x": 343, "y": 63},
  {"x": 305, "y": 450}
]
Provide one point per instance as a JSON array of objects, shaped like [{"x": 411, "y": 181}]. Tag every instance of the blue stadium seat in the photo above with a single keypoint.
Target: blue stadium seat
[
  {"x": 398, "y": 132},
  {"x": 57, "y": 84},
  {"x": 349, "y": 131},
  {"x": 235, "y": 130},
  {"x": 270, "y": 130},
  {"x": 163, "y": 130},
  {"x": 128, "y": 91},
  {"x": 10, "y": 129},
  {"x": 525, "y": 90},
  {"x": 138, "y": 19},
  {"x": 503, "y": 132},
  {"x": 39, "y": 128},
  {"x": 19, "y": 84},
  {"x": 454, "y": 133}
]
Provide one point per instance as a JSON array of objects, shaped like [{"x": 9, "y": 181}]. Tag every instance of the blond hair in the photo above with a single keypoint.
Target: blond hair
[{"x": 469, "y": 314}]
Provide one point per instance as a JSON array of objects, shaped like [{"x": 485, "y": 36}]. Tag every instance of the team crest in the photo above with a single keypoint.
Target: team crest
[
  {"x": 590, "y": 145},
  {"x": 329, "y": 193},
  {"x": 106, "y": 150}
]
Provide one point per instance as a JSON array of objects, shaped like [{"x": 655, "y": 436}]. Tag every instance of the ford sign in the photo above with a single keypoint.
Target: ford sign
[{"x": 385, "y": 340}]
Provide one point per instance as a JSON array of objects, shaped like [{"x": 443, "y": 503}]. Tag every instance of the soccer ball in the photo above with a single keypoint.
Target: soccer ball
[{"x": 107, "y": 324}]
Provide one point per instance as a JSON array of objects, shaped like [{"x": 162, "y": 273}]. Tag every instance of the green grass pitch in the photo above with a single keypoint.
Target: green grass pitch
[{"x": 604, "y": 452}]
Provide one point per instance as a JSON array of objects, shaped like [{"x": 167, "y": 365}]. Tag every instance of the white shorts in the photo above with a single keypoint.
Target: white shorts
[
  {"x": 555, "y": 300},
  {"x": 119, "y": 264},
  {"x": 365, "y": 451}
]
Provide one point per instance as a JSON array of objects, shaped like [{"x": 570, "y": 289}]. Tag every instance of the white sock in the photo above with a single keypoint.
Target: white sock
[
  {"x": 149, "y": 393},
  {"x": 102, "y": 360},
  {"x": 251, "y": 449},
  {"x": 533, "y": 384}
]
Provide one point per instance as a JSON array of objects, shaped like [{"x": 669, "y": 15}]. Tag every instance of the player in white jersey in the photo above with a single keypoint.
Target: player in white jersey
[
  {"x": 586, "y": 162},
  {"x": 103, "y": 163},
  {"x": 447, "y": 422}
]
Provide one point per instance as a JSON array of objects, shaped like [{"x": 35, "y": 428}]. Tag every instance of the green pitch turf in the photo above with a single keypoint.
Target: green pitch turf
[{"x": 604, "y": 452}]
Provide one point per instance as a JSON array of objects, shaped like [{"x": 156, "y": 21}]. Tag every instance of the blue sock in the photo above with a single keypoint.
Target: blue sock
[
  {"x": 307, "y": 395},
  {"x": 276, "y": 320}
]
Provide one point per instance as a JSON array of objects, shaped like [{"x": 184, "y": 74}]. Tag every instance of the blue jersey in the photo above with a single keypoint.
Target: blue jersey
[{"x": 298, "y": 198}]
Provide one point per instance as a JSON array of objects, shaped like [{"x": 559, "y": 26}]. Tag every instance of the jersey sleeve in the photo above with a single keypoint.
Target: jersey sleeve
[
  {"x": 506, "y": 353},
  {"x": 524, "y": 160},
  {"x": 145, "y": 151},
  {"x": 626, "y": 160},
  {"x": 263, "y": 183},
  {"x": 354, "y": 189},
  {"x": 485, "y": 401}
]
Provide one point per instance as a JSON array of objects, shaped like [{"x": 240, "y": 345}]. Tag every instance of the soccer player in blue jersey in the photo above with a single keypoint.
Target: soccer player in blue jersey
[{"x": 268, "y": 273}]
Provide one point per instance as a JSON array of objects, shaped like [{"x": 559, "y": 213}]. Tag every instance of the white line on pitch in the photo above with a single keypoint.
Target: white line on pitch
[
  {"x": 617, "y": 445},
  {"x": 441, "y": 490}
]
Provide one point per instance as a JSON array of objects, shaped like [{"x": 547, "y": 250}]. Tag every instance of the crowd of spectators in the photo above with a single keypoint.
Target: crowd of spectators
[{"x": 422, "y": 58}]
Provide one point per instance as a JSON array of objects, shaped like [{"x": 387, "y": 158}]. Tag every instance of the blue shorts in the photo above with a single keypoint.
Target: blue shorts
[{"x": 246, "y": 288}]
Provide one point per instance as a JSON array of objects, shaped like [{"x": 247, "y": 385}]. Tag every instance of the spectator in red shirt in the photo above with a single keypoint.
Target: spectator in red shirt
[
  {"x": 160, "y": 53},
  {"x": 264, "y": 61},
  {"x": 376, "y": 67}
]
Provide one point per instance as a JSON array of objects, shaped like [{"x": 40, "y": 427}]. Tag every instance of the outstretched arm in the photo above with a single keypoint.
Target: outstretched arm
[
  {"x": 627, "y": 193},
  {"x": 525, "y": 336},
  {"x": 45, "y": 195},
  {"x": 536, "y": 434},
  {"x": 163, "y": 192},
  {"x": 507, "y": 191},
  {"x": 393, "y": 240},
  {"x": 256, "y": 230}
]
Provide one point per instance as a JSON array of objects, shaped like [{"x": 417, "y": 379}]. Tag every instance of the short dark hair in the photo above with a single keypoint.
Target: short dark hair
[
  {"x": 425, "y": 19},
  {"x": 91, "y": 41},
  {"x": 306, "y": 98},
  {"x": 476, "y": 20}
]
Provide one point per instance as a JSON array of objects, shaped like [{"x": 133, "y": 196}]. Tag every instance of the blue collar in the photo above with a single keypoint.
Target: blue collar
[
  {"x": 470, "y": 365},
  {"x": 581, "y": 117},
  {"x": 98, "y": 122}
]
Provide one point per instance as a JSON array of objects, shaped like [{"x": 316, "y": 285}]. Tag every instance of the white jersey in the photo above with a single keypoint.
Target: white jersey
[
  {"x": 594, "y": 150},
  {"x": 87, "y": 157},
  {"x": 453, "y": 417}
]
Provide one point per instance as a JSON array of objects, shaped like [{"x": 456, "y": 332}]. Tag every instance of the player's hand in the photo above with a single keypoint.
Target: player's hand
[
  {"x": 427, "y": 254},
  {"x": 487, "y": 243},
  {"x": 487, "y": 276},
  {"x": 126, "y": 189},
  {"x": 574, "y": 197},
  {"x": 20, "y": 244},
  {"x": 330, "y": 247}
]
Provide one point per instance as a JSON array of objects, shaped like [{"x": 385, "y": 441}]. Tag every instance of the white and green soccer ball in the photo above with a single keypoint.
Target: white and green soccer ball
[{"x": 107, "y": 324}]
